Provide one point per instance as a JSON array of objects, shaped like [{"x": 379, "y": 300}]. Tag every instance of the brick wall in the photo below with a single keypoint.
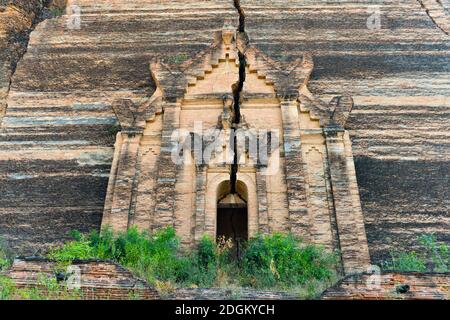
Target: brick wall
[
  {"x": 392, "y": 286},
  {"x": 100, "y": 280}
]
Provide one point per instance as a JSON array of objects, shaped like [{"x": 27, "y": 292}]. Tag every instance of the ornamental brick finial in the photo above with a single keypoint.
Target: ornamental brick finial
[{"x": 228, "y": 32}]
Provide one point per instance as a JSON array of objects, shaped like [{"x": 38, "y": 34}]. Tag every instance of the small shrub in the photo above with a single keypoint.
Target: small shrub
[
  {"x": 282, "y": 261},
  {"x": 72, "y": 251},
  {"x": 437, "y": 254},
  {"x": 7, "y": 288},
  {"x": 212, "y": 265},
  {"x": 434, "y": 258},
  {"x": 5, "y": 260},
  {"x": 207, "y": 252}
]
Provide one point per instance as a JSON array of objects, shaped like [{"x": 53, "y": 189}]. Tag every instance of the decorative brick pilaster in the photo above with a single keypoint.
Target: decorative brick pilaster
[
  {"x": 121, "y": 190},
  {"x": 167, "y": 170},
  {"x": 200, "y": 202},
  {"x": 354, "y": 250},
  {"x": 295, "y": 174},
  {"x": 317, "y": 195},
  {"x": 106, "y": 219},
  {"x": 261, "y": 192}
]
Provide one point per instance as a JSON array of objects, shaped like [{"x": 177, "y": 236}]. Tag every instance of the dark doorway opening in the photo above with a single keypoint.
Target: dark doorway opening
[{"x": 232, "y": 222}]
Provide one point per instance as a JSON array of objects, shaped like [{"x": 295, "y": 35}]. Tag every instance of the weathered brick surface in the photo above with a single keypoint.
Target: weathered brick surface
[
  {"x": 56, "y": 144},
  {"x": 438, "y": 13},
  {"x": 226, "y": 294},
  {"x": 100, "y": 280},
  {"x": 398, "y": 77},
  {"x": 420, "y": 286},
  {"x": 57, "y": 136},
  {"x": 17, "y": 20}
]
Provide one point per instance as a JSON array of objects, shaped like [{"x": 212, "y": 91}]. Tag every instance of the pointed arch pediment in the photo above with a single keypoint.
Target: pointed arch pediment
[
  {"x": 211, "y": 73},
  {"x": 286, "y": 78},
  {"x": 215, "y": 81},
  {"x": 214, "y": 71}
]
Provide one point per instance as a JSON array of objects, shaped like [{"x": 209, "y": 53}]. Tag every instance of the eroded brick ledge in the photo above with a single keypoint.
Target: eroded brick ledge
[
  {"x": 100, "y": 280},
  {"x": 107, "y": 280},
  {"x": 418, "y": 286}
]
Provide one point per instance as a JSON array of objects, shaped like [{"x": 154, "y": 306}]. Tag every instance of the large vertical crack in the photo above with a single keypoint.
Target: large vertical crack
[{"x": 237, "y": 91}]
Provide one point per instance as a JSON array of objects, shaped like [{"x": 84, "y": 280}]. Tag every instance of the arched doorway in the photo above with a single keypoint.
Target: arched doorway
[{"x": 232, "y": 215}]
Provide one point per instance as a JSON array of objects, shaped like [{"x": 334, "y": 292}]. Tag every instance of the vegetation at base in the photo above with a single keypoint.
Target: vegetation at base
[
  {"x": 280, "y": 261},
  {"x": 47, "y": 288},
  {"x": 277, "y": 261},
  {"x": 5, "y": 257},
  {"x": 433, "y": 258}
]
